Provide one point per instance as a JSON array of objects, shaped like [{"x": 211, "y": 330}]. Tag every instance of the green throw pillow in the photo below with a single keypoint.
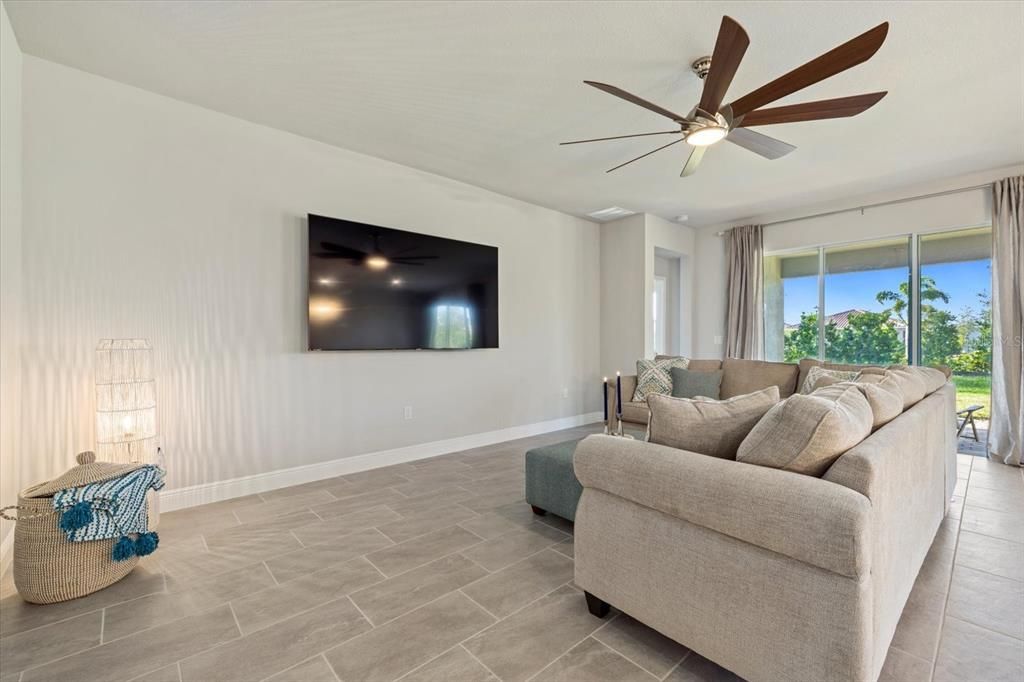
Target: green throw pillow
[{"x": 687, "y": 383}]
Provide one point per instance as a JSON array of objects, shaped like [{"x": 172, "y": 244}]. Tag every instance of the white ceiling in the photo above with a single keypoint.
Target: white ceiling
[{"x": 483, "y": 91}]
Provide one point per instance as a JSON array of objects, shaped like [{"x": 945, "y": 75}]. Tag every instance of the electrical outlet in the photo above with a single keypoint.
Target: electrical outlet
[
  {"x": 408, "y": 411},
  {"x": 718, "y": 340},
  {"x": 565, "y": 392}
]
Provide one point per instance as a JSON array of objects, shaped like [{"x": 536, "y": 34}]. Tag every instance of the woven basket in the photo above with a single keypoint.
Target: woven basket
[{"x": 47, "y": 567}]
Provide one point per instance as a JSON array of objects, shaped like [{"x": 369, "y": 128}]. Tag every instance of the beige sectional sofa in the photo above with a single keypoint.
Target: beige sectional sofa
[{"x": 774, "y": 575}]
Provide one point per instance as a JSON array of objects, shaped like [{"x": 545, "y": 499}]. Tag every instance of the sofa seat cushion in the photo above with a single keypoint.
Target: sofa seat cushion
[
  {"x": 741, "y": 377},
  {"x": 807, "y": 433},
  {"x": 709, "y": 427},
  {"x": 687, "y": 383},
  {"x": 653, "y": 377}
]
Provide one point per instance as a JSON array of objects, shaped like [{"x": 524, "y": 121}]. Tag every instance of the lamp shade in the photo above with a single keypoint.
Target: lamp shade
[{"x": 125, "y": 401}]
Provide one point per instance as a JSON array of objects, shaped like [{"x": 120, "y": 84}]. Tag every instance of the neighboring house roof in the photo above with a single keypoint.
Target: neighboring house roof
[{"x": 842, "y": 320}]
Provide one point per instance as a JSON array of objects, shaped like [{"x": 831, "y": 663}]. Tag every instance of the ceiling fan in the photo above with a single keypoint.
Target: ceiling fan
[
  {"x": 711, "y": 121},
  {"x": 375, "y": 259}
]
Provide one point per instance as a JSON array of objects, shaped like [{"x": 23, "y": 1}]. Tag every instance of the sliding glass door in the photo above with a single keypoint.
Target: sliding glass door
[
  {"x": 867, "y": 303},
  {"x": 920, "y": 299},
  {"x": 956, "y": 311}
]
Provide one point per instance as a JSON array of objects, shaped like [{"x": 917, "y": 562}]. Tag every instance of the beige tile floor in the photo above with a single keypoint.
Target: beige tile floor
[{"x": 437, "y": 570}]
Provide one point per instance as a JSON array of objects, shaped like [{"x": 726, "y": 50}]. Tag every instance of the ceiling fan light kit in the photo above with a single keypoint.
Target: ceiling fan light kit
[{"x": 710, "y": 121}]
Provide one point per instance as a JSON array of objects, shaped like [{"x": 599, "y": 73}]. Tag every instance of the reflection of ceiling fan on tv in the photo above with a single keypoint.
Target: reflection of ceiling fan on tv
[
  {"x": 711, "y": 121},
  {"x": 375, "y": 259}
]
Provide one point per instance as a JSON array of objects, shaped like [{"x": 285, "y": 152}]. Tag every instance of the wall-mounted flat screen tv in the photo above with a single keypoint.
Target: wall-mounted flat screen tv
[{"x": 378, "y": 288}]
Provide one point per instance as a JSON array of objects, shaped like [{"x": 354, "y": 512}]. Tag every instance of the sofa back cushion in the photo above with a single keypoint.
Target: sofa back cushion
[
  {"x": 687, "y": 383},
  {"x": 884, "y": 396},
  {"x": 709, "y": 427},
  {"x": 818, "y": 377},
  {"x": 807, "y": 433},
  {"x": 747, "y": 376}
]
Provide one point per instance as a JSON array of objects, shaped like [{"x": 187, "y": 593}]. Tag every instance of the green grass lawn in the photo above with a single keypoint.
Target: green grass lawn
[{"x": 973, "y": 390}]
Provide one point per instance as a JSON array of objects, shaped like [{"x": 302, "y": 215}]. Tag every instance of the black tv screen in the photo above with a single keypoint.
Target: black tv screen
[{"x": 377, "y": 288}]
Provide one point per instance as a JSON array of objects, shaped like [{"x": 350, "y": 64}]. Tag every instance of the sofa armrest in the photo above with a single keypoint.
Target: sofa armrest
[{"x": 805, "y": 518}]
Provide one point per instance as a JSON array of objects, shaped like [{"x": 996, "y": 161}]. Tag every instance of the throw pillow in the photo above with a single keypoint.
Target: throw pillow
[
  {"x": 807, "y": 433},
  {"x": 820, "y": 376},
  {"x": 883, "y": 395},
  {"x": 689, "y": 384},
  {"x": 709, "y": 427},
  {"x": 653, "y": 377}
]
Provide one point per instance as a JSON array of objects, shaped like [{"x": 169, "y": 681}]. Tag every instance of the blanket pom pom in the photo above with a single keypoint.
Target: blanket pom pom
[
  {"x": 146, "y": 543},
  {"x": 77, "y": 516},
  {"x": 124, "y": 549}
]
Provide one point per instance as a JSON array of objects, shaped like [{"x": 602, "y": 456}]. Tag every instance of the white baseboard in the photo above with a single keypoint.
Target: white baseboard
[{"x": 205, "y": 493}]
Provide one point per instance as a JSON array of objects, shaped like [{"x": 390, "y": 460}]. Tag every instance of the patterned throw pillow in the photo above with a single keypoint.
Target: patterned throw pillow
[
  {"x": 654, "y": 376},
  {"x": 819, "y": 376}
]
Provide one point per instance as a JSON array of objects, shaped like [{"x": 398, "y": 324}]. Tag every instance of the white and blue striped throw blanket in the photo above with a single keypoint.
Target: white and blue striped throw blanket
[{"x": 124, "y": 497}]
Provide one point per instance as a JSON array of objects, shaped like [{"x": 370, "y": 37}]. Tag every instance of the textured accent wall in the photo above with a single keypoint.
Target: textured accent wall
[{"x": 148, "y": 217}]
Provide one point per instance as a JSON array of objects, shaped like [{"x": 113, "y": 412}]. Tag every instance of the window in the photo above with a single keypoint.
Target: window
[
  {"x": 659, "y": 314},
  {"x": 867, "y": 303},
  {"x": 452, "y": 327},
  {"x": 791, "y": 306},
  {"x": 956, "y": 310}
]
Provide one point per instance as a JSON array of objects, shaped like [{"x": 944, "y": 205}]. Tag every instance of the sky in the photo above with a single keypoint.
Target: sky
[{"x": 961, "y": 281}]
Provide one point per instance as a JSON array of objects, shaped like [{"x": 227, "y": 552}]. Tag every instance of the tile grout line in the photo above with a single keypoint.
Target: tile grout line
[
  {"x": 363, "y": 613},
  {"x": 423, "y": 665},
  {"x": 623, "y": 654},
  {"x": 473, "y": 656},
  {"x": 949, "y": 587},
  {"x": 181, "y": 675},
  {"x": 487, "y": 610},
  {"x": 103, "y": 623},
  {"x": 330, "y": 667},
  {"x": 677, "y": 665}
]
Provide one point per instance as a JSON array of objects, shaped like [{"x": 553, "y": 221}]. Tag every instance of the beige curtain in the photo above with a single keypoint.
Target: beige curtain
[
  {"x": 745, "y": 293},
  {"x": 1006, "y": 430}
]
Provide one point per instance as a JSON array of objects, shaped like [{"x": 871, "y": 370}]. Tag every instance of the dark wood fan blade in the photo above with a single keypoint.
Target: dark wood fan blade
[
  {"x": 339, "y": 249},
  {"x": 765, "y": 146},
  {"x": 337, "y": 256},
  {"x": 397, "y": 258},
  {"x": 840, "y": 107},
  {"x": 730, "y": 47},
  {"x": 402, "y": 261},
  {"x": 690, "y": 167},
  {"x": 643, "y": 155},
  {"x": 847, "y": 55},
  {"x": 622, "y": 137},
  {"x": 639, "y": 101}
]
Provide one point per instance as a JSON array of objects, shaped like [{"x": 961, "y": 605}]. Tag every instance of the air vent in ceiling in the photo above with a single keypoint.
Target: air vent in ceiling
[{"x": 612, "y": 213}]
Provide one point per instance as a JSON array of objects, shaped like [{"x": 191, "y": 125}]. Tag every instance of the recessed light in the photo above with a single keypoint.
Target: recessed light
[
  {"x": 326, "y": 281},
  {"x": 682, "y": 218},
  {"x": 396, "y": 282}
]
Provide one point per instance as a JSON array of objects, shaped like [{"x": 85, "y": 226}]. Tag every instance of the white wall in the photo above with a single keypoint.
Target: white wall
[
  {"x": 148, "y": 217},
  {"x": 10, "y": 274},
  {"x": 667, "y": 237},
  {"x": 623, "y": 329},
  {"x": 931, "y": 214}
]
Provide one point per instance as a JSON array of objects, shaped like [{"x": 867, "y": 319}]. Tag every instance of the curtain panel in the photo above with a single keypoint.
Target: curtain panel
[
  {"x": 1006, "y": 430},
  {"x": 745, "y": 293}
]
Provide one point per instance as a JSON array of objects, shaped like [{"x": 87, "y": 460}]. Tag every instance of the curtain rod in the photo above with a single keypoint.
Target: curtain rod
[{"x": 865, "y": 206}]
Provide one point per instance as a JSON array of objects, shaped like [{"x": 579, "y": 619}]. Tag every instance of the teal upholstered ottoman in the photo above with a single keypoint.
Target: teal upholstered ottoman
[{"x": 551, "y": 484}]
